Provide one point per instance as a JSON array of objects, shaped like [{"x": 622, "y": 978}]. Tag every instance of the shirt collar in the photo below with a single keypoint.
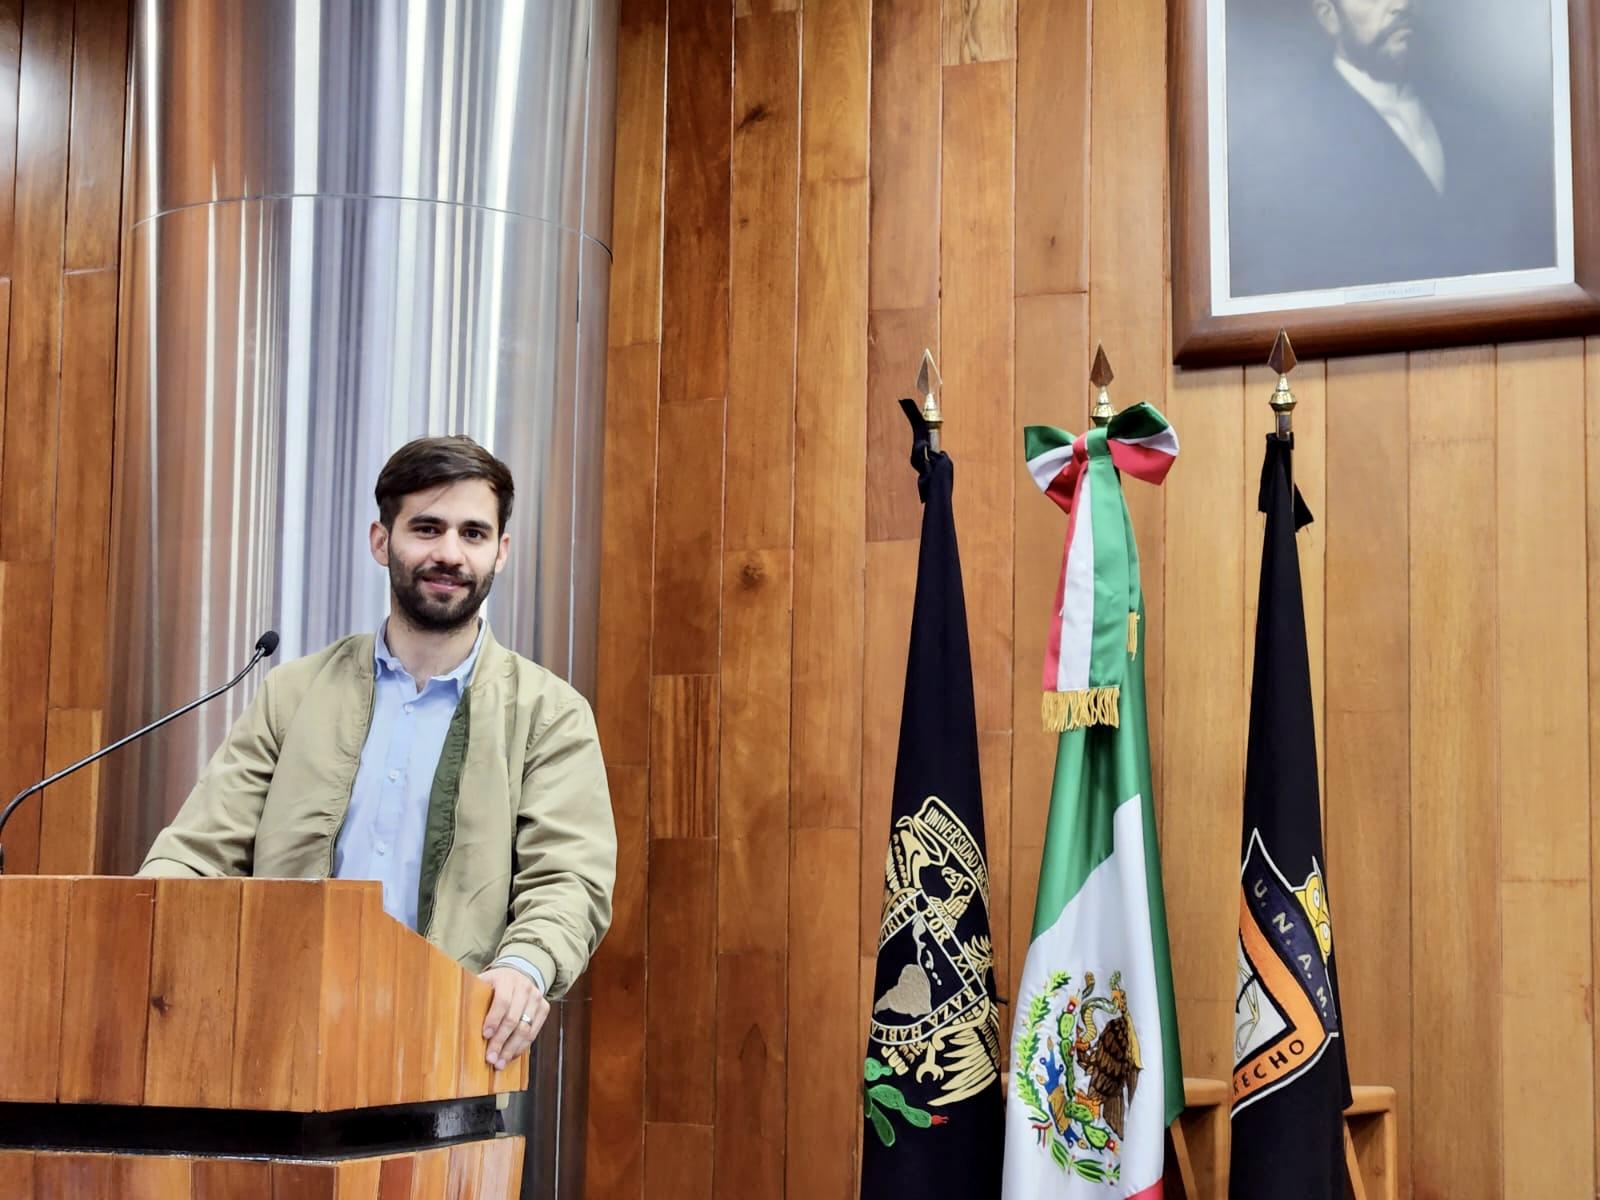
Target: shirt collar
[
  {"x": 1380, "y": 93},
  {"x": 386, "y": 662}
]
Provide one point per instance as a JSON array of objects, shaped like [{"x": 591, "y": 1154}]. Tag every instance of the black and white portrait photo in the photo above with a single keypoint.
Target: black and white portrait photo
[{"x": 1371, "y": 144}]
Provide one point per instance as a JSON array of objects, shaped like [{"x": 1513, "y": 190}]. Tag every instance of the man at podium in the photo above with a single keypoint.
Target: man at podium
[{"x": 462, "y": 776}]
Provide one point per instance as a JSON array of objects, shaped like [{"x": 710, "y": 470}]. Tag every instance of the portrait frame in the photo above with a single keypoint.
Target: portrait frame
[{"x": 1202, "y": 336}]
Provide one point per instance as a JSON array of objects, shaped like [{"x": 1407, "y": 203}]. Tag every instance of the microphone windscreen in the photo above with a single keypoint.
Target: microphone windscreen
[{"x": 267, "y": 643}]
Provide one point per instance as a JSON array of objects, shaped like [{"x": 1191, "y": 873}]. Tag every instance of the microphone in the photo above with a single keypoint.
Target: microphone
[{"x": 266, "y": 645}]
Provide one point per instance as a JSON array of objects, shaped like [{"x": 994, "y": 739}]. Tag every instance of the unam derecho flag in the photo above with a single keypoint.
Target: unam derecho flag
[
  {"x": 1290, "y": 1083},
  {"x": 931, "y": 1081},
  {"x": 1095, "y": 1070}
]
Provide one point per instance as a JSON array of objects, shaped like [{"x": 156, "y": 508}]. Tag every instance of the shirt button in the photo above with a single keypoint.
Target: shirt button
[
  {"x": 382, "y": 848},
  {"x": 393, "y": 775},
  {"x": 408, "y": 708}
]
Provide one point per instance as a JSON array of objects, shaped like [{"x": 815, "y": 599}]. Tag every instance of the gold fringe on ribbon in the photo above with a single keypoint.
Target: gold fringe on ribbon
[
  {"x": 1133, "y": 633},
  {"x": 1080, "y": 709}
]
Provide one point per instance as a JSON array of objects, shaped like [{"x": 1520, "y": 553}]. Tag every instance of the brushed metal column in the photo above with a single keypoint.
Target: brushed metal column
[{"x": 353, "y": 222}]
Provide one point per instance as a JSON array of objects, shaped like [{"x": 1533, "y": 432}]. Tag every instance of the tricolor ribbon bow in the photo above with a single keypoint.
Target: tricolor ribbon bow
[{"x": 1094, "y": 631}]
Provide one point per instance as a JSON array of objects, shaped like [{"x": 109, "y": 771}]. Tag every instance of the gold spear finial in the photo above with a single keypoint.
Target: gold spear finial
[
  {"x": 1282, "y": 361},
  {"x": 930, "y": 383},
  {"x": 1101, "y": 376}
]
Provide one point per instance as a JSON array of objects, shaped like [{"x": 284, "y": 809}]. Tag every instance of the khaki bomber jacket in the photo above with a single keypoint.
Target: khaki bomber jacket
[{"x": 519, "y": 856}]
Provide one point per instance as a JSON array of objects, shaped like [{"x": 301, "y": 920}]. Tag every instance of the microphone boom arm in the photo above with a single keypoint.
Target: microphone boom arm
[{"x": 5, "y": 815}]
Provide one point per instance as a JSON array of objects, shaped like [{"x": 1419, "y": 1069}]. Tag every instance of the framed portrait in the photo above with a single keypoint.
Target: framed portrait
[{"x": 1382, "y": 174}]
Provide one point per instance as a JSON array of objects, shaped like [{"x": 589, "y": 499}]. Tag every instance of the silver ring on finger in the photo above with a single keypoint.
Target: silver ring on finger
[{"x": 526, "y": 1019}]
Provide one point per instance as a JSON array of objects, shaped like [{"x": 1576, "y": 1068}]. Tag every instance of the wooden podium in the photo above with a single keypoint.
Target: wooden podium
[{"x": 232, "y": 1038}]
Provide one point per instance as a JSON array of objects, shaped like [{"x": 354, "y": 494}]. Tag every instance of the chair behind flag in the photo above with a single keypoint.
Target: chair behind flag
[
  {"x": 1290, "y": 1082},
  {"x": 931, "y": 1080}
]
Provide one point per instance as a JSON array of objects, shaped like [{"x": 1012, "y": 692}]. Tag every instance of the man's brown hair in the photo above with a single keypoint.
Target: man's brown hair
[{"x": 431, "y": 462}]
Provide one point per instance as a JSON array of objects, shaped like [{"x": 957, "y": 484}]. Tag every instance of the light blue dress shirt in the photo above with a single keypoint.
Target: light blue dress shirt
[{"x": 388, "y": 815}]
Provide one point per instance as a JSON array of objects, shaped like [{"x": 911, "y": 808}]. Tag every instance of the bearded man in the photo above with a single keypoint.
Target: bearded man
[
  {"x": 463, "y": 777},
  {"x": 1385, "y": 159}
]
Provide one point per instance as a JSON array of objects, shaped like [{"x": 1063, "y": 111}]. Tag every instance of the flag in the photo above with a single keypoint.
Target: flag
[
  {"x": 1095, "y": 1070},
  {"x": 931, "y": 1081},
  {"x": 1290, "y": 1083}
]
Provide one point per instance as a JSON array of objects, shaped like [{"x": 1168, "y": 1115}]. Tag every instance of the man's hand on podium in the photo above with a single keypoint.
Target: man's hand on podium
[{"x": 516, "y": 1014}]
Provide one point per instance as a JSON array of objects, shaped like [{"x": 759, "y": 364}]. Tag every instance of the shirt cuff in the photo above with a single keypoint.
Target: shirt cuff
[{"x": 526, "y": 967}]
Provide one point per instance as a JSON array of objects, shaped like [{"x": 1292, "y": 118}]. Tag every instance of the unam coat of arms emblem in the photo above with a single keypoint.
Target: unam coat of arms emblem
[{"x": 1077, "y": 1067}]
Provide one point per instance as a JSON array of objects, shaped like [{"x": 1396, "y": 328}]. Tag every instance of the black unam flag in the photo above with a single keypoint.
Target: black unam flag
[
  {"x": 1290, "y": 1084},
  {"x": 931, "y": 1082}
]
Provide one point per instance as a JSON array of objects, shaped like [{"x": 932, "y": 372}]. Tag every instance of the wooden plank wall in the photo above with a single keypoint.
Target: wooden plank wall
[
  {"x": 808, "y": 193},
  {"x": 63, "y": 83}
]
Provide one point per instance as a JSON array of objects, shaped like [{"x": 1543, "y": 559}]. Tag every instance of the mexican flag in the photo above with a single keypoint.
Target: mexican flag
[{"x": 1095, "y": 1070}]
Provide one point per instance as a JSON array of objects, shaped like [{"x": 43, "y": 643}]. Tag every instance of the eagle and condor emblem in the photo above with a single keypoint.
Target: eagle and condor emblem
[{"x": 938, "y": 1022}]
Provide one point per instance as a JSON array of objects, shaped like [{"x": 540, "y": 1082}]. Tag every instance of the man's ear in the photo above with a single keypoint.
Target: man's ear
[
  {"x": 1327, "y": 16},
  {"x": 378, "y": 538},
  {"x": 505, "y": 552}
]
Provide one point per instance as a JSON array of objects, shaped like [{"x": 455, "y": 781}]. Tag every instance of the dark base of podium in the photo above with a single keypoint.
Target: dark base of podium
[{"x": 110, "y": 1128}]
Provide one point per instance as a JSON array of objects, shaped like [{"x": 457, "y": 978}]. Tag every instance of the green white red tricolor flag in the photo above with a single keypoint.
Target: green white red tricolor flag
[{"x": 1095, "y": 1069}]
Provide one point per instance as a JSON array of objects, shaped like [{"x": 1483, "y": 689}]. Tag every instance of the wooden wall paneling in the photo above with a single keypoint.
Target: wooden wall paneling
[
  {"x": 830, "y": 384},
  {"x": 28, "y": 456},
  {"x": 466, "y": 1170},
  {"x": 994, "y": 763},
  {"x": 1052, "y": 134},
  {"x": 83, "y": 489},
  {"x": 1368, "y": 769},
  {"x": 376, "y": 1075},
  {"x": 1454, "y": 705},
  {"x": 1052, "y": 372},
  {"x": 753, "y": 768},
  {"x": 614, "y": 1163},
  {"x": 360, "y": 1179},
  {"x": 1544, "y": 802},
  {"x": 68, "y": 817},
  {"x": 622, "y": 689},
  {"x": 16, "y": 1166},
  {"x": 1127, "y": 270},
  {"x": 829, "y": 533},
  {"x": 1311, "y": 477},
  {"x": 891, "y": 596},
  {"x": 304, "y": 1181},
  {"x": 152, "y": 1177},
  {"x": 903, "y": 260},
  {"x": 194, "y": 963},
  {"x": 904, "y": 118},
  {"x": 979, "y": 31},
  {"x": 231, "y": 1179},
  {"x": 431, "y": 1173},
  {"x": 681, "y": 992},
  {"x": 638, "y": 177},
  {"x": 1203, "y": 746},
  {"x": 10, "y": 65},
  {"x": 823, "y": 1110},
  {"x": 275, "y": 1027},
  {"x": 683, "y": 766},
  {"x": 694, "y": 340},
  {"x": 976, "y": 325},
  {"x": 34, "y": 912},
  {"x": 751, "y": 1073},
  {"x": 1592, "y": 525},
  {"x": 63, "y": 1175},
  {"x": 109, "y": 927},
  {"x": 339, "y": 1082},
  {"x": 763, "y": 254},
  {"x": 94, "y": 171},
  {"x": 677, "y": 1160},
  {"x": 24, "y": 662},
  {"x": 630, "y": 806}
]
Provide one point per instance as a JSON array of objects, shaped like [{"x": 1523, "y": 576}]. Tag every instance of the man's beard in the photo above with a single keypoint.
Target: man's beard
[{"x": 434, "y": 614}]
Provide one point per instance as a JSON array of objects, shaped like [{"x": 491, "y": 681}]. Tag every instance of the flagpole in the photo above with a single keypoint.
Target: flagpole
[
  {"x": 930, "y": 383},
  {"x": 1282, "y": 360},
  {"x": 1100, "y": 375}
]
